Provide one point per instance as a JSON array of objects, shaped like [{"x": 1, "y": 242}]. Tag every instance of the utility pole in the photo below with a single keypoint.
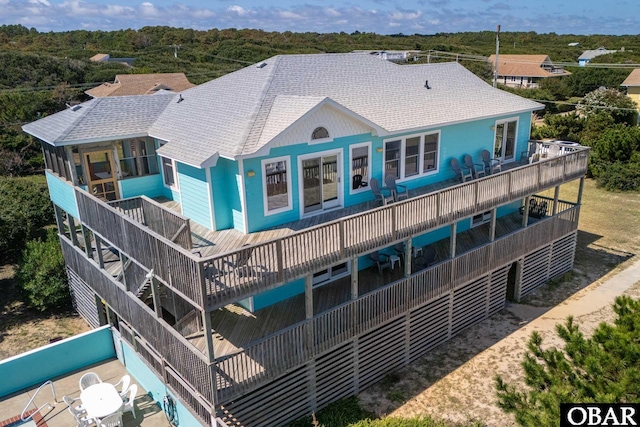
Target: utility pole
[
  {"x": 175, "y": 50},
  {"x": 495, "y": 69}
]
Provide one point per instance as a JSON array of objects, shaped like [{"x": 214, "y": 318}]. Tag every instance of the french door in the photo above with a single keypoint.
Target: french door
[
  {"x": 504, "y": 145},
  {"x": 330, "y": 274},
  {"x": 102, "y": 179},
  {"x": 320, "y": 182}
]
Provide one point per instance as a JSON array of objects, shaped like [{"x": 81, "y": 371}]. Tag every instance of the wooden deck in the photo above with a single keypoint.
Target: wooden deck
[
  {"x": 207, "y": 243},
  {"x": 235, "y": 328}
]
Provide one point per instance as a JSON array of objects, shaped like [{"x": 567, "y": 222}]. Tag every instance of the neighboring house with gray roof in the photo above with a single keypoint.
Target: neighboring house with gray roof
[
  {"x": 302, "y": 187},
  {"x": 588, "y": 55}
]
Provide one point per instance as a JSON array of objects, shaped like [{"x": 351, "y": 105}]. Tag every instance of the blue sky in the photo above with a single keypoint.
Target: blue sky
[{"x": 379, "y": 16}]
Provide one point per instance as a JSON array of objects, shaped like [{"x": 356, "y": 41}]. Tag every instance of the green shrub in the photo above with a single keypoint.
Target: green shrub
[
  {"x": 41, "y": 273},
  {"x": 619, "y": 176},
  {"x": 24, "y": 209}
]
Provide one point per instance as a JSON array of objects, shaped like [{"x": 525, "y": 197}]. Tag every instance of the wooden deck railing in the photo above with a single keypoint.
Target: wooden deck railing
[
  {"x": 271, "y": 356},
  {"x": 304, "y": 252},
  {"x": 220, "y": 279},
  {"x": 163, "y": 221}
]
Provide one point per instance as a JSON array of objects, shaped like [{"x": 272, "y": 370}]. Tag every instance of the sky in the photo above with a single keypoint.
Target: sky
[{"x": 614, "y": 17}]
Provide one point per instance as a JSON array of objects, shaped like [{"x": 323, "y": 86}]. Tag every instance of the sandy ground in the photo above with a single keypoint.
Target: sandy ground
[{"x": 455, "y": 381}]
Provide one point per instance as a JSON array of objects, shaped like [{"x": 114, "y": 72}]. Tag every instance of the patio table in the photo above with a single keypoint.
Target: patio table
[{"x": 101, "y": 400}]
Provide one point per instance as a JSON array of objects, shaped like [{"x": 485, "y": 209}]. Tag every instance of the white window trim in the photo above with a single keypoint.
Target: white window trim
[
  {"x": 319, "y": 140},
  {"x": 340, "y": 165},
  {"x": 368, "y": 177},
  {"x": 515, "y": 143},
  {"x": 401, "y": 163},
  {"x": 174, "y": 168},
  {"x": 484, "y": 219},
  {"x": 263, "y": 163},
  {"x": 332, "y": 278}
]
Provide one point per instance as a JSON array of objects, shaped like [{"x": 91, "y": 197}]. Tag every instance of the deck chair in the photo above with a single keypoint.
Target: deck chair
[
  {"x": 461, "y": 175},
  {"x": 129, "y": 404},
  {"x": 429, "y": 255},
  {"x": 113, "y": 420},
  {"x": 241, "y": 265},
  {"x": 526, "y": 157},
  {"x": 490, "y": 165},
  {"x": 124, "y": 382},
  {"x": 89, "y": 379},
  {"x": 378, "y": 192},
  {"x": 71, "y": 402},
  {"x": 382, "y": 261},
  {"x": 80, "y": 416},
  {"x": 476, "y": 169},
  {"x": 398, "y": 192}
]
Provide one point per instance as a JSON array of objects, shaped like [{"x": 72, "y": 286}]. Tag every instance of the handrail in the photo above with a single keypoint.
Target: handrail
[{"x": 55, "y": 401}]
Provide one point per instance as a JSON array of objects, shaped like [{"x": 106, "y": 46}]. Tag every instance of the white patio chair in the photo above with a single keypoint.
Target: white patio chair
[
  {"x": 124, "y": 381},
  {"x": 89, "y": 379},
  {"x": 129, "y": 405},
  {"x": 71, "y": 402},
  {"x": 113, "y": 420},
  {"x": 80, "y": 416}
]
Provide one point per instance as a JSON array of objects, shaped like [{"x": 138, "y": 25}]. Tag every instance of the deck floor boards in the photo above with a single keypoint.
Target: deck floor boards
[
  {"x": 208, "y": 243},
  {"x": 235, "y": 328}
]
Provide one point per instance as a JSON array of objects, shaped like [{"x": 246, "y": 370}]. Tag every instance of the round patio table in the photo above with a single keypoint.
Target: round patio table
[{"x": 101, "y": 400}]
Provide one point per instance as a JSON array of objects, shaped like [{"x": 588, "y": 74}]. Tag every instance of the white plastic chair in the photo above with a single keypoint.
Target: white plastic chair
[
  {"x": 70, "y": 401},
  {"x": 80, "y": 417},
  {"x": 129, "y": 405},
  {"x": 124, "y": 381},
  {"x": 89, "y": 379},
  {"x": 113, "y": 420}
]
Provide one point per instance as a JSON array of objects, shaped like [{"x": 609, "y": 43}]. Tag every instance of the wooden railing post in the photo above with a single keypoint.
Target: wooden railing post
[
  {"x": 394, "y": 225},
  {"x": 280, "y": 261},
  {"x": 342, "y": 239},
  {"x": 556, "y": 195}
]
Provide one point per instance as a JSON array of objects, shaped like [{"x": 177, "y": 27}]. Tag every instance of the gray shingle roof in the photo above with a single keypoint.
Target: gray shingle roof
[
  {"x": 241, "y": 112},
  {"x": 101, "y": 119}
]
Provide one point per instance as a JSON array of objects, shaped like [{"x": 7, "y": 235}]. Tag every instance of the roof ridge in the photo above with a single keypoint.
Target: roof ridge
[
  {"x": 272, "y": 72},
  {"x": 72, "y": 126}
]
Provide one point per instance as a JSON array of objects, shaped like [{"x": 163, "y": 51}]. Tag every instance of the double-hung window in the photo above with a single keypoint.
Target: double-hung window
[
  {"x": 412, "y": 156},
  {"x": 137, "y": 157},
  {"x": 169, "y": 172}
]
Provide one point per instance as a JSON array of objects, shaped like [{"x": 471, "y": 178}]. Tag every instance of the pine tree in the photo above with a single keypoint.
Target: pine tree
[{"x": 604, "y": 368}]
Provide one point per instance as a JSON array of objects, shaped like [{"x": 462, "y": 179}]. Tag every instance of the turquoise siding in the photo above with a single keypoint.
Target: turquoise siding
[
  {"x": 455, "y": 141},
  {"x": 235, "y": 197},
  {"x": 195, "y": 194},
  {"x": 279, "y": 294},
  {"x": 154, "y": 386},
  {"x": 226, "y": 194},
  {"x": 150, "y": 186},
  {"x": 37, "y": 366},
  {"x": 62, "y": 194}
]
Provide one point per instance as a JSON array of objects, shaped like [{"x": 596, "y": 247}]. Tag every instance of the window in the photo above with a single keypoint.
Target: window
[
  {"x": 320, "y": 133},
  {"x": 430, "y": 156},
  {"x": 137, "y": 157},
  {"x": 481, "y": 218},
  {"x": 412, "y": 156},
  {"x": 169, "y": 172},
  {"x": 277, "y": 185},
  {"x": 360, "y": 155},
  {"x": 392, "y": 158}
]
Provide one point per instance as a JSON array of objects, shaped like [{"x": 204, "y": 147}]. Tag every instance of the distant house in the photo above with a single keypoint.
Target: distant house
[
  {"x": 391, "y": 55},
  {"x": 588, "y": 55},
  {"x": 525, "y": 70},
  {"x": 100, "y": 57},
  {"x": 632, "y": 83},
  {"x": 105, "y": 57},
  {"x": 141, "y": 84}
]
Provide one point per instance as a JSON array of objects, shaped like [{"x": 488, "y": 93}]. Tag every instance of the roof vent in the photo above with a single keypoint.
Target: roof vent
[
  {"x": 426, "y": 84},
  {"x": 180, "y": 99},
  {"x": 261, "y": 65}
]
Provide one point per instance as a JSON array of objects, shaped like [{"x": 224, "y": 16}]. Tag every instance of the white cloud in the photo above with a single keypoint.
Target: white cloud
[
  {"x": 289, "y": 15},
  {"x": 237, "y": 9}
]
